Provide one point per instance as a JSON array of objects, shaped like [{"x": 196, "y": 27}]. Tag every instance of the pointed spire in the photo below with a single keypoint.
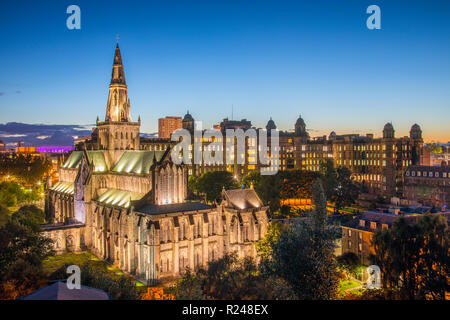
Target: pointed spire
[{"x": 118, "y": 73}]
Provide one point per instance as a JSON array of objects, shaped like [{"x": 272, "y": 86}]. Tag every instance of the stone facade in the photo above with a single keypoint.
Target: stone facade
[
  {"x": 428, "y": 185},
  {"x": 378, "y": 164}
]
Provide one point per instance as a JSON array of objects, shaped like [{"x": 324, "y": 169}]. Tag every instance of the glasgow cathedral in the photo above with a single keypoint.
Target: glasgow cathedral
[{"x": 127, "y": 204}]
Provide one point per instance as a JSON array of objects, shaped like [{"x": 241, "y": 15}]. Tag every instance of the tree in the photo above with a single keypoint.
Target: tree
[
  {"x": 30, "y": 213},
  {"x": 329, "y": 177},
  {"x": 434, "y": 148},
  {"x": 413, "y": 258},
  {"x": 4, "y": 215},
  {"x": 23, "y": 247},
  {"x": 118, "y": 287},
  {"x": 297, "y": 183},
  {"x": 346, "y": 191},
  {"x": 264, "y": 246},
  {"x": 253, "y": 178},
  {"x": 189, "y": 287},
  {"x": 268, "y": 188},
  {"x": 211, "y": 184},
  {"x": 303, "y": 255},
  {"x": 350, "y": 263},
  {"x": 13, "y": 193},
  {"x": 269, "y": 191},
  {"x": 338, "y": 185},
  {"x": 230, "y": 278}
]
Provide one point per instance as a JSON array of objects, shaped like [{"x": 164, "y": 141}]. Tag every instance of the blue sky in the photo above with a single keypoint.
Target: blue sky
[{"x": 273, "y": 59}]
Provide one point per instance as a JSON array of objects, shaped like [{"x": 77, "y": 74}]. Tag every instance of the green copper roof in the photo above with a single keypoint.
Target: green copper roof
[
  {"x": 63, "y": 187},
  {"x": 97, "y": 157},
  {"x": 73, "y": 161},
  {"x": 119, "y": 198},
  {"x": 137, "y": 161}
]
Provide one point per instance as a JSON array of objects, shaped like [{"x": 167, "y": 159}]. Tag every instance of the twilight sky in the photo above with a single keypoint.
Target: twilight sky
[{"x": 273, "y": 59}]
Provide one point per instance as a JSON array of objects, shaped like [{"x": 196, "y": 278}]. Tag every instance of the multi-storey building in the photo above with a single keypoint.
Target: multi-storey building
[
  {"x": 167, "y": 125},
  {"x": 357, "y": 234},
  {"x": 428, "y": 185},
  {"x": 377, "y": 163}
]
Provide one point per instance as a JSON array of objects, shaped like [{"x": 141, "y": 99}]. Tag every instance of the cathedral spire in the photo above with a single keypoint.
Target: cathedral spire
[
  {"x": 118, "y": 132},
  {"x": 118, "y": 107},
  {"x": 118, "y": 74}
]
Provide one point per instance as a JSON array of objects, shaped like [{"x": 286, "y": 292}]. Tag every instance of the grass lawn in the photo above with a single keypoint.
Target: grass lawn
[
  {"x": 345, "y": 285},
  {"x": 53, "y": 263}
]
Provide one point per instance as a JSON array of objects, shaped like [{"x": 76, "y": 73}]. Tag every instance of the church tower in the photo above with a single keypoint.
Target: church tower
[{"x": 118, "y": 132}]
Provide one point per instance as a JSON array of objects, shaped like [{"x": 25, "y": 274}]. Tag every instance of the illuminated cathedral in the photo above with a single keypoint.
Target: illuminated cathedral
[{"x": 127, "y": 204}]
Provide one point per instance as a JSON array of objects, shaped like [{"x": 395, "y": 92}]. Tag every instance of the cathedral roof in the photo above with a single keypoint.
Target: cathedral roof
[
  {"x": 137, "y": 161},
  {"x": 119, "y": 198},
  {"x": 63, "y": 187},
  {"x": 95, "y": 156},
  {"x": 172, "y": 208},
  {"x": 242, "y": 198}
]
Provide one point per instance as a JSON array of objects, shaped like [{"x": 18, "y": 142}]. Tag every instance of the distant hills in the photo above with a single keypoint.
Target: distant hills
[{"x": 44, "y": 134}]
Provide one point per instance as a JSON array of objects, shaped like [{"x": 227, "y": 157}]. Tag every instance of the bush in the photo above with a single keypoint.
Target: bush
[{"x": 119, "y": 288}]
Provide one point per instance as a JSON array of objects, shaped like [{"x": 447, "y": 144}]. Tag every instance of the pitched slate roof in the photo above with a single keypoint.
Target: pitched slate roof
[
  {"x": 379, "y": 218},
  {"x": 242, "y": 198},
  {"x": 59, "y": 291},
  {"x": 171, "y": 208},
  {"x": 119, "y": 198},
  {"x": 137, "y": 161},
  {"x": 97, "y": 157},
  {"x": 63, "y": 187}
]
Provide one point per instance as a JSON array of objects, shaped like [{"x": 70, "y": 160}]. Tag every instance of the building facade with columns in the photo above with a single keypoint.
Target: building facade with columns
[{"x": 124, "y": 200}]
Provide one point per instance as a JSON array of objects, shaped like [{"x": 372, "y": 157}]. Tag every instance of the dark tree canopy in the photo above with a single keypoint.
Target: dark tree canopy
[
  {"x": 25, "y": 168},
  {"x": 303, "y": 254},
  {"x": 211, "y": 184},
  {"x": 413, "y": 258},
  {"x": 338, "y": 185}
]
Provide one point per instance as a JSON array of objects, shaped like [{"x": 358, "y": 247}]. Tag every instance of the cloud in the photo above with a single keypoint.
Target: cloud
[
  {"x": 2, "y": 94},
  {"x": 18, "y": 92},
  {"x": 42, "y": 137},
  {"x": 5, "y": 135},
  {"x": 84, "y": 128}
]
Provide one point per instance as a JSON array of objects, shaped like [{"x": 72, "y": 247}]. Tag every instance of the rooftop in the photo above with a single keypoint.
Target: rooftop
[
  {"x": 97, "y": 157},
  {"x": 63, "y": 187},
  {"x": 137, "y": 161},
  {"x": 242, "y": 198},
  {"x": 172, "y": 208},
  {"x": 118, "y": 198}
]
